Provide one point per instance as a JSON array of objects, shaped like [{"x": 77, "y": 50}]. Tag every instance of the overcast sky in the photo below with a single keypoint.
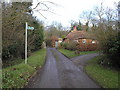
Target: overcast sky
[{"x": 68, "y": 10}]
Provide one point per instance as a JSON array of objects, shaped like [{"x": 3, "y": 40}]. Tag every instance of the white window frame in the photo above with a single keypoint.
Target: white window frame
[
  {"x": 93, "y": 42},
  {"x": 76, "y": 41},
  {"x": 84, "y": 41}
]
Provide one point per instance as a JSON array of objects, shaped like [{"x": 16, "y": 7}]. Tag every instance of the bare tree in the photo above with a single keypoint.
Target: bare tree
[
  {"x": 100, "y": 11},
  {"x": 45, "y": 6},
  {"x": 86, "y": 16},
  {"x": 110, "y": 16}
]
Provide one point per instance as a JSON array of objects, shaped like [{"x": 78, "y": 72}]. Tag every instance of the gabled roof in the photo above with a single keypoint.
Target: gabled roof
[
  {"x": 73, "y": 35},
  {"x": 76, "y": 35}
]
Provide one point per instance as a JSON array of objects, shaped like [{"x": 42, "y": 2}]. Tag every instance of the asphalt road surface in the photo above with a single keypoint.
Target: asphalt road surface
[
  {"x": 61, "y": 72},
  {"x": 81, "y": 61}
]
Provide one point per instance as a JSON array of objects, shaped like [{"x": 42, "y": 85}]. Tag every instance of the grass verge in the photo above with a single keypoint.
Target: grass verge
[
  {"x": 37, "y": 59},
  {"x": 18, "y": 75},
  {"x": 72, "y": 54},
  {"x": 0, "y": 78},
  {"x": 107, "y": 78}
]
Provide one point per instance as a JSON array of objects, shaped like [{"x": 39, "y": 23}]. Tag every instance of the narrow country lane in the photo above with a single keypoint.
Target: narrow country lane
[
  {"x": 49, "y": 77},
  {"x": 61, "y": 72}
]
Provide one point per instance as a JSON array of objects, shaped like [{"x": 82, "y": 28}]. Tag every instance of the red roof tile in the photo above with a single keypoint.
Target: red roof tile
[{"x": 73, "y": 35}]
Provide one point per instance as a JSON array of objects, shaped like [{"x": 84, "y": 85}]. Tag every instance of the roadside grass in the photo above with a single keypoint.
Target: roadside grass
[
  {"x": 106, "y": 77},
  {"x": 0, "y": 78},
  {"x": 37, "y": 59},
  {"x": 17, "y": 76},
  {"x": 72, "y": 54}
]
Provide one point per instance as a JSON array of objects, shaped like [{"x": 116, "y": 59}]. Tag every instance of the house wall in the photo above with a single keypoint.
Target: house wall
[{"x": 88, "y": 46}]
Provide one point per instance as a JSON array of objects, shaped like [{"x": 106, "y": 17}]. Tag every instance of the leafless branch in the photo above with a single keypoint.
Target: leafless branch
[
  {"x": 45, "y": 10},
  {"x": 42, "y": 15},
  {"x": 44, "y": 3}
]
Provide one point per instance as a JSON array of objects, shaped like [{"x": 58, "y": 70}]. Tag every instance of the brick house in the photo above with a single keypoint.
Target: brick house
[{"x": 84, "y": 43}]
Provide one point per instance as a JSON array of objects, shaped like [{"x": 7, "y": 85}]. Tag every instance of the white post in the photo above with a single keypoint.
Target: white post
[{"x": 26, "y": 43}]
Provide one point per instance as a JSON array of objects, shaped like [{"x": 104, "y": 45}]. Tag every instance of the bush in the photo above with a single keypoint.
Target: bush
[
  {"x": 6, "y": 53},
  {"x": 70, "y": 45},
  {"x": 111, "y": 48},
  {"x": 13, "y": 51},
  {"x": 64, "y": 45},
  {"x": 109, "y": 44},
  {"x": 77, "y": 52},
  {"x": 104, "y": 60}
]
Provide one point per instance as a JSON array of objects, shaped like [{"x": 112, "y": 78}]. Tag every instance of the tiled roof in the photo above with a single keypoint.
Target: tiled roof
[{"x": 73, "y": 35}]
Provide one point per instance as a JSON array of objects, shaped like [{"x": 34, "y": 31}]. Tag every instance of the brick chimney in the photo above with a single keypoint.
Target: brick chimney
[{"x": 75, "y": 28}]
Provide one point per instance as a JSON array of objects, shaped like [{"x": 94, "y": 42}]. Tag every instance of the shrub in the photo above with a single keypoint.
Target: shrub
[
  {"x": 64, "y": 45},
  {"x": 77, "y": 52},
  {"x": 72, "y": 45},
  {"x": 6, "y": 53},
  {"x": 111, "y": 48},
  {"x": 14, "y": 50},
  {"x": 109, "y": 44}
]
